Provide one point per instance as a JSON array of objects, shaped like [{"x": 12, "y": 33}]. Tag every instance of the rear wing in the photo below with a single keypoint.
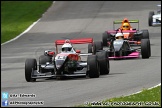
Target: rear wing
[
  {"x": 73, "y": 41},
  {"x": 125, "y": 31},
  {"x": 130, "y": 21},
  {"x": 121, "y": 21}
]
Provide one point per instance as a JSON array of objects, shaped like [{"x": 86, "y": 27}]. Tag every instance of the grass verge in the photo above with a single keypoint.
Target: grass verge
[
  {"x": 17, "y": 16},
  {"x": 146, "y": 98}
]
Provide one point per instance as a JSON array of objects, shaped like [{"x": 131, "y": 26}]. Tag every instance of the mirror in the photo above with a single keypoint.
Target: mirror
[
  {"x": 51, "y": 53},
  {"x": 78, "y": 51}
]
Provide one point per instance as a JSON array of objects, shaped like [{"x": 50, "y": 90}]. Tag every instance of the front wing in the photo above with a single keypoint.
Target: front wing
[
  {"x": 37, "y": 75},
  {"x": 132, "y": 55}
]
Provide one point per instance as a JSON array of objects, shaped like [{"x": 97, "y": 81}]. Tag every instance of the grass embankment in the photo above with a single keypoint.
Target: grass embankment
[
  {"x": 17, "y": 16},
  {"x": 146, "y": 98}
]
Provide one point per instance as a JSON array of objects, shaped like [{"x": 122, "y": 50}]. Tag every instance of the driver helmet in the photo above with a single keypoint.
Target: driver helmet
[
  {"x": 126, "y": 26},
  {"x": 119, "y": 36},
  {"x": 66, "y": 47}
]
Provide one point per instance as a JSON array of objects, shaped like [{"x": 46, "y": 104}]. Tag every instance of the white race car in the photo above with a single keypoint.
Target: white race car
[
  {"x": 67, "y": 62},
  {"x": 154, "y": 19}
]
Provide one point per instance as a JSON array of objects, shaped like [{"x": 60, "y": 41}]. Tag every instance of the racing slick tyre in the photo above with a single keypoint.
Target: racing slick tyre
[
  {"x": 145, "y": 48},
  {"x": 104, "y": 38},
  {"x": 150, "y": 19},
  {"x": 93, "y": 68},
  {"x": 145, "y": 34},
  {"x": 103, "y": 60},
  {"x": 149, "y": 47},
  {"x": 30, "y": 65},
  {"x": 42, "y": 60},
  {"x": 97, "y": 46},
  {"x": 89, "y": 48}
]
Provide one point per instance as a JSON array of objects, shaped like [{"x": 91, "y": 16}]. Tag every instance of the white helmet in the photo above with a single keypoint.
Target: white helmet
[
  {"x": 119, "y": 36},
  {"x": 66, "y": 47}
]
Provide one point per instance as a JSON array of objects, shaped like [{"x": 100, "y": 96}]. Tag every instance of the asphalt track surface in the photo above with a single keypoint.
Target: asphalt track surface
[{"x": 79, "y": 19}]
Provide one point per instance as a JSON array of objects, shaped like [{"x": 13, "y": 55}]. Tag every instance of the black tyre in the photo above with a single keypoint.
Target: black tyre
[
  {"x": 150, "y": 19},
  {"x": 89, "y": 48},
  {"x": 145, "y": 34},
  {"x": 97, "y": 46},
  {"x": 42, "y": 60},
  {"x": 104, "y": 38},
  {"x": 103, "y": 60},
  {"x": 30, "y": 65},
  {"x": 149, "y": 48},
  {"x": 145, "y": 48},
  {"x": 93, "y": 66}
]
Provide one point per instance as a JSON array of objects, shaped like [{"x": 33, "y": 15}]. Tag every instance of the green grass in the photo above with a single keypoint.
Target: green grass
[
  {"x": 17, "y": 16},
  {"x": 146, "y": 98}
]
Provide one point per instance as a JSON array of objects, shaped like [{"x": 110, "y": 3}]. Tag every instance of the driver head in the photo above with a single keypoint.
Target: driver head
[
  {"x": 126, "y": 26},
  {"x": 66, "y": 47},
  {"x": 119, "y": 36}
]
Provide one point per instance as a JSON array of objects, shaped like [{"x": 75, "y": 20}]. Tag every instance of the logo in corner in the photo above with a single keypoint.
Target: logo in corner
[
  {"x": 4, "y": 95},
  {"x": 5, "y": 103}
]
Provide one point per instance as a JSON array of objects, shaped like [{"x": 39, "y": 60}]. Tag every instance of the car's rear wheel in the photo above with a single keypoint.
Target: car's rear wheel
[
  {"x": 30, "y": 66},
  {"x": 150, "y": 19},
  {"x": 145, "y": 48},
  {"x": 149, "y": 47},
  {"x": 103, "y": 60},
  {"x": 98, "y": 45},
  {"x": 145, "y": 34},
  {"x": 89, "y": 48},
  {"x": 93, "y": 68}
]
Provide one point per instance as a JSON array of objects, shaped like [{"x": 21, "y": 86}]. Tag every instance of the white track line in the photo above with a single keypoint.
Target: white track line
[
  {"x": 23, "y": 32},
  {"x": 142, "y": 90}
]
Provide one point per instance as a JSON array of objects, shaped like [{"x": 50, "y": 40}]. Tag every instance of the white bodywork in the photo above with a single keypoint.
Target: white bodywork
[{"x": 157, "y": 17}]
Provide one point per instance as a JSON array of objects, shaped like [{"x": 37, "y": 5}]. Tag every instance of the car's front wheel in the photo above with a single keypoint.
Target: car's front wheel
[
  {"x": 150, "y": 19},
  {"x": 30, "y": 66}
]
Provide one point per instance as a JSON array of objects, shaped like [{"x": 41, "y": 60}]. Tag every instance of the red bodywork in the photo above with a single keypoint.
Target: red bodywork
[
  {"x": 75, "y": 41},
  {"x": 128, "y": 34},
  {"x": 74, "y": 57}
]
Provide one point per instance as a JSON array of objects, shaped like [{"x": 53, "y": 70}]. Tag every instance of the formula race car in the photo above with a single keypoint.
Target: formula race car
[
  {"x": 119, "y": 48},
  {"x": 154, "y": 19},
  {"x": 132, "y": 34},
  {"x": 67, "y": 63}
]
